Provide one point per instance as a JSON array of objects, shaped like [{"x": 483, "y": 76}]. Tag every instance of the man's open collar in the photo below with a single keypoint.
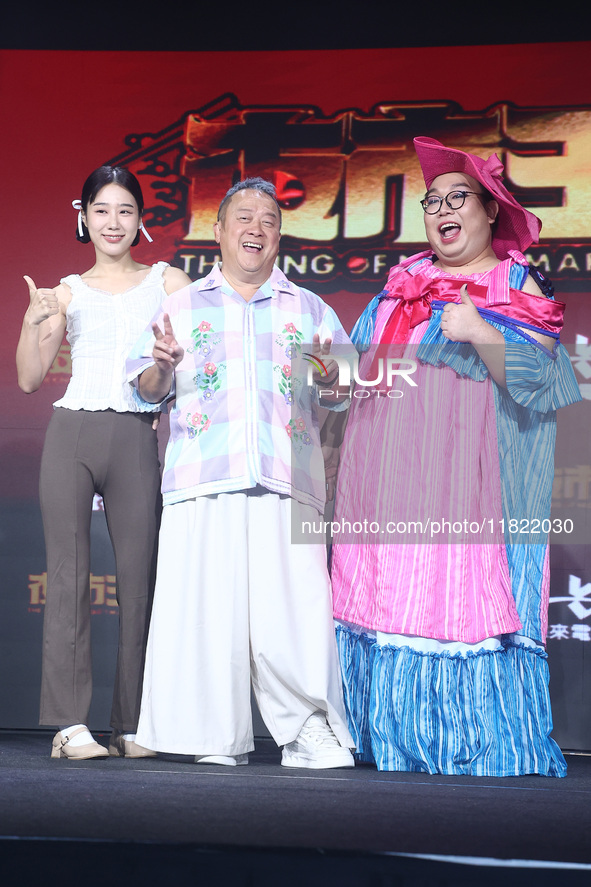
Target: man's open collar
[{"x": 277, "y": 283}]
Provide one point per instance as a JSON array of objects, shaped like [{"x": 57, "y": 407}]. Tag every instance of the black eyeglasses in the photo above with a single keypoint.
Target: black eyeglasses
[{"x": 455, "y": 200}]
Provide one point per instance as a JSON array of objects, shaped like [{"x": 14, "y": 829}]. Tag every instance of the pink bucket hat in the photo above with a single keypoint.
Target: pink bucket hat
[{"x": 516, "y": 228}]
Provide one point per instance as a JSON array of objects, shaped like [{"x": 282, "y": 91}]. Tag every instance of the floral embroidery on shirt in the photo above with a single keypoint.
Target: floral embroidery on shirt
[
  {"x": 196, "y": 423},
  {"x": 291, "y": 339},
  {"x": 209, "y": 379},
  {"x": 296, "y": 430},
  {"x": 285, "y": 381},
  {"x": 204, "y": 338}
]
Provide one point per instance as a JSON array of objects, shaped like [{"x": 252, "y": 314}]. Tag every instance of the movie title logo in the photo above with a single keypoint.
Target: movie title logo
[{"x": 349, "y": 184}]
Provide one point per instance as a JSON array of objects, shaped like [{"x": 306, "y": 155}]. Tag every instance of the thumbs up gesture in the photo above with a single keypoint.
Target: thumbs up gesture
[
  {"x": 462, "y": 323},
  {"x": 44, "y": 302}
]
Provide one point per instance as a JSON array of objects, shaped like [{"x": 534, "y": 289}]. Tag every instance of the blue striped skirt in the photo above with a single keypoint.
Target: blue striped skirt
[{"x": 481, "y": 714}]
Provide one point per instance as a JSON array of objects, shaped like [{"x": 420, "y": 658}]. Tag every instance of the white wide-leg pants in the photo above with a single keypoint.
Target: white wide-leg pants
[{"x": 236, "y": 601}]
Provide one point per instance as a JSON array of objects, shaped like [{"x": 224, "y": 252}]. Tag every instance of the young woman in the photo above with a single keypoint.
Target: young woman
[
  {"x": 101, "y": 439},
  {"x": 442, "y": 604}
]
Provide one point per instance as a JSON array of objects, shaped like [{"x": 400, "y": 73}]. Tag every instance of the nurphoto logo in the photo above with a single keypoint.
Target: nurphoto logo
[{"x": 385, "y": 369}]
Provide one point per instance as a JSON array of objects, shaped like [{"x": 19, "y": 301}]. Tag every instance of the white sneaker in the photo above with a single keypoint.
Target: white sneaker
[
  {"x": 316, "y": 747},
  {"x": 227, "y": 760}
]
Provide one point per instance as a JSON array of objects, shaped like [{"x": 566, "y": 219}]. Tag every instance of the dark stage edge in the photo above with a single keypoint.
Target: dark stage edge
[{"x": 168, "y": 820}]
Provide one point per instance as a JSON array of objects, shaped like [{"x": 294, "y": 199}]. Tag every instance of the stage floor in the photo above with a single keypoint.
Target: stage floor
[{"x": 156, "y": 817}]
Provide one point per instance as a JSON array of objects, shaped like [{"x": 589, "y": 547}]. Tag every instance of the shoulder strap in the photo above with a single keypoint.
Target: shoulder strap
[{"x": 542, "y": 281}]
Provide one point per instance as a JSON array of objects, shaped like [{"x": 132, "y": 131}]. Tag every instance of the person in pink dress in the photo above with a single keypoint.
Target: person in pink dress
[{"x": 440, "y": 596}]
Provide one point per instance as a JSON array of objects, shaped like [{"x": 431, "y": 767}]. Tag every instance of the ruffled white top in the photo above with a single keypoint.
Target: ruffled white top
[{"x": 101, "y": 329}]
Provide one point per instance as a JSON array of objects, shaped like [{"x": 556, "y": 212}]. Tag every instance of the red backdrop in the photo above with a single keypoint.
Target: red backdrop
[{"x": 65, "y": 113}]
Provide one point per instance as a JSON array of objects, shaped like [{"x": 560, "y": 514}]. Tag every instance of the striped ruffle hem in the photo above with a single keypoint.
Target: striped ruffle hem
[{"x": 481, "y": 714}]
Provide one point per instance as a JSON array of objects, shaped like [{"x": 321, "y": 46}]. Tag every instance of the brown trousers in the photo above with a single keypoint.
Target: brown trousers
[{"x": 116, "y": 455}]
